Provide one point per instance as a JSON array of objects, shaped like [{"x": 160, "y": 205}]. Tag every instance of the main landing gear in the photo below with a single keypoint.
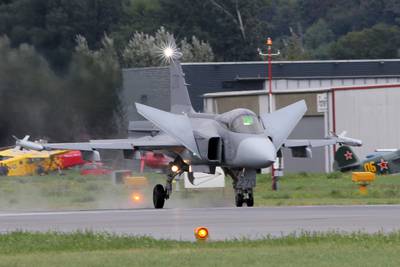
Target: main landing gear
[
  {"x": 244, "y": 180},
  {"x": 159, "y": 196},
  {"x": 161, "y": 193}
]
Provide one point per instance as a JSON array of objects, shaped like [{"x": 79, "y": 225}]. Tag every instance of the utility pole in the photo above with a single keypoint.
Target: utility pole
[{"x": 269, "y": 56}]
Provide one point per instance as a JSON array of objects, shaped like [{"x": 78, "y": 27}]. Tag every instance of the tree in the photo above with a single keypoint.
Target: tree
[
  {"x": 293, "y": 48},
  {"x": 145, "y": 50},
  {"x": 380, "y": 41},
  {"x": 28, "y": 92},
  {"x": 318, "y": 39},
  {"x": 137, "y": 16},
  {"x": 318, "y": 34},
  {"x": 311, "y": 11},
  {"x": 51, "y": 25},
  {"x": 234, "y": 29},
  {"x": 93, "y": 85},
  {"x": 34, "y": 100},
  {"x": 197, "y": 51}
]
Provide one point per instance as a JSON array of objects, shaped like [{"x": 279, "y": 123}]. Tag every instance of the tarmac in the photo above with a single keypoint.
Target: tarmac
[{"x": 223, "y": 223}]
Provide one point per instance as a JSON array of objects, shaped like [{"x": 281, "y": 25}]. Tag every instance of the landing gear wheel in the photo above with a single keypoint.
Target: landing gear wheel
[
  {"x": 158, "y": 196},
  {"x": 250, "y": 201},
  {"x": 239, "y": 199}
]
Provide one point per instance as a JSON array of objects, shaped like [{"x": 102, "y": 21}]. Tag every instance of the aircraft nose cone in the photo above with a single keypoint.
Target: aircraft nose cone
[{"x": 255, "y": 152}]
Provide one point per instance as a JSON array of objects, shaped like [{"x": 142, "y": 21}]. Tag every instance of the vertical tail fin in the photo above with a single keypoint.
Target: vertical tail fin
[
  {"x": 180, "y": 100},
  {"x": 345, "y": 159}
]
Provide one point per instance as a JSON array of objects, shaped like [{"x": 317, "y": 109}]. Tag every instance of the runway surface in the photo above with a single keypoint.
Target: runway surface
[{"x": 223, "y": 223}]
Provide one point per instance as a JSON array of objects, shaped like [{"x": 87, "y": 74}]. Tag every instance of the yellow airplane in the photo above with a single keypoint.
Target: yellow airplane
[
  {"x": 15, "y": 162},
  {"x": 21, "y": 162}
]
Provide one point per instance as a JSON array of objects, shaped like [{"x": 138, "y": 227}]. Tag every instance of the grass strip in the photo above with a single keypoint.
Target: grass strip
[
  {"x": 28, "y": 242},
  {"x": 103, "y": 249}
]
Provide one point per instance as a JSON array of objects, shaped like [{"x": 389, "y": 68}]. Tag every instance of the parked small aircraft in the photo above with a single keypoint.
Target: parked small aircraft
[
  {"x": 382, "y": 161},
  {"x": 238, "y": 140},
  {"x": 21, "y": 162}
]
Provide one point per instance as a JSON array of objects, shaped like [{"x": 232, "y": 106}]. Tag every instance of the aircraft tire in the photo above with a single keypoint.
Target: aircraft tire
[
  {"x": 158, "y": 196},
  {"x": 250, "y": 201},
  {"x": 239, "y": 200}
]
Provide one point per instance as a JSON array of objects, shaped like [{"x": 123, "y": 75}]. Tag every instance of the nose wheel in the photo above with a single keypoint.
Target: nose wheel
[
  {"x": 250, "y": 200},
  {"x": 159, "y": 195},
  {"x": 243, "y": 181},
  {"x": 244, "y": 197},
  {"x": 239, "y": 199}
]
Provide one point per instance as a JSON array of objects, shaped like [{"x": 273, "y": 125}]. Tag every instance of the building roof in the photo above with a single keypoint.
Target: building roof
[
  {"x": 210, "y": 77},
  {"x": 308, "y": 90},
  {"x": 213, "y": 77}
]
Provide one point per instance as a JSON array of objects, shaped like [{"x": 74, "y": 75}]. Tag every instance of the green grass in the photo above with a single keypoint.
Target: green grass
[
  {"x": 90, "y": 249},
  {"x": 325, "y": 189},
  {"x": 73, "y": 191}
]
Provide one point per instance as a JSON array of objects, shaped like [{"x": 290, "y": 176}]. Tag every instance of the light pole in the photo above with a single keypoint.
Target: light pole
[
  {"x": 269, "y": 56},
  {"x": 269, "y": 70}
]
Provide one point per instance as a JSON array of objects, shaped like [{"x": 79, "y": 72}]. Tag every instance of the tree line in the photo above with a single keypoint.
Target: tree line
[{"x": 61, "y": 60}]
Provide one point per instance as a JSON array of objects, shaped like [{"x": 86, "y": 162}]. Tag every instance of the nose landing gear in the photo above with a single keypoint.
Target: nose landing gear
[
  {"x": 244, "y": 197},
  {"x": 244, "y": 180}
]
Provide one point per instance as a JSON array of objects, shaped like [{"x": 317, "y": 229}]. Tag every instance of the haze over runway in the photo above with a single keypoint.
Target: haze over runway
[{"x": 223, "y": 223}]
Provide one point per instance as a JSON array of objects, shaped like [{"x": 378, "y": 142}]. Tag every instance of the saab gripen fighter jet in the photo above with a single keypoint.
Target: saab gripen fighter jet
[
  {"x": 238, "y": 141},
  {"x": 382, "y": 161}
]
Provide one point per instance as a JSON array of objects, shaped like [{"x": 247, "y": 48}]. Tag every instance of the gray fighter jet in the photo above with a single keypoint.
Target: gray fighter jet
[{"x": 238, "y": 141}]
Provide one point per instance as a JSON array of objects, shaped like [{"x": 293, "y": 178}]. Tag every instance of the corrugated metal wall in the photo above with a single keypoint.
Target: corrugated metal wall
[
  {"x": 326, "y": 82},
  {"x": 311, "y": 127},
  {"x": 372, "y": 115},
  {"x": 225, "y": 104}
]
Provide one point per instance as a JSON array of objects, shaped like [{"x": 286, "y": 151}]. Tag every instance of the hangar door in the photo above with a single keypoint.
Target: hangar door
[
  {"x": 371, "y": 115},
  {"x": 310, "y": 127}
]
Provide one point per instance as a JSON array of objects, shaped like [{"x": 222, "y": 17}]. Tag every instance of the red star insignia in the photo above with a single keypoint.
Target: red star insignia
[
  {"x": 348, "y": 155},
  {"x": 383, "y": 165}
]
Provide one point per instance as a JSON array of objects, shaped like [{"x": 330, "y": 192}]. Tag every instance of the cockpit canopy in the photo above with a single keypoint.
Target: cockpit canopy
[{"x": 241, "y": 121}]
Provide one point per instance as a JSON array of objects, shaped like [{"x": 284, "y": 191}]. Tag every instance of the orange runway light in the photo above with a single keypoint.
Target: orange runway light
[
  {"x": 201, "y": 233},
  {"x": 136, "y": 197}
]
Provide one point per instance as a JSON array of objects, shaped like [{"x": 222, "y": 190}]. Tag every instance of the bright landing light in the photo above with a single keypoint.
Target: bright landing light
[
  {"x": 174, "y": 168},
  {"x": 168, "y": 52}
]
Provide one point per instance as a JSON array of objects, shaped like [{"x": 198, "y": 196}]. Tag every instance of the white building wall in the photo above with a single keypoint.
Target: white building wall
[
  {"x": 304, "y": 83},
  {"x": 372, "y": 115}
]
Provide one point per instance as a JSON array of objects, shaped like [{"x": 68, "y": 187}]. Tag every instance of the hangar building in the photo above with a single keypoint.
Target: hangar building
[{"x": 359, "y": 96}]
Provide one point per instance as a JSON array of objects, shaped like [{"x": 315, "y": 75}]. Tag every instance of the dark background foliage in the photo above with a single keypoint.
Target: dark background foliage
[{"x": 51, "y": 88}]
